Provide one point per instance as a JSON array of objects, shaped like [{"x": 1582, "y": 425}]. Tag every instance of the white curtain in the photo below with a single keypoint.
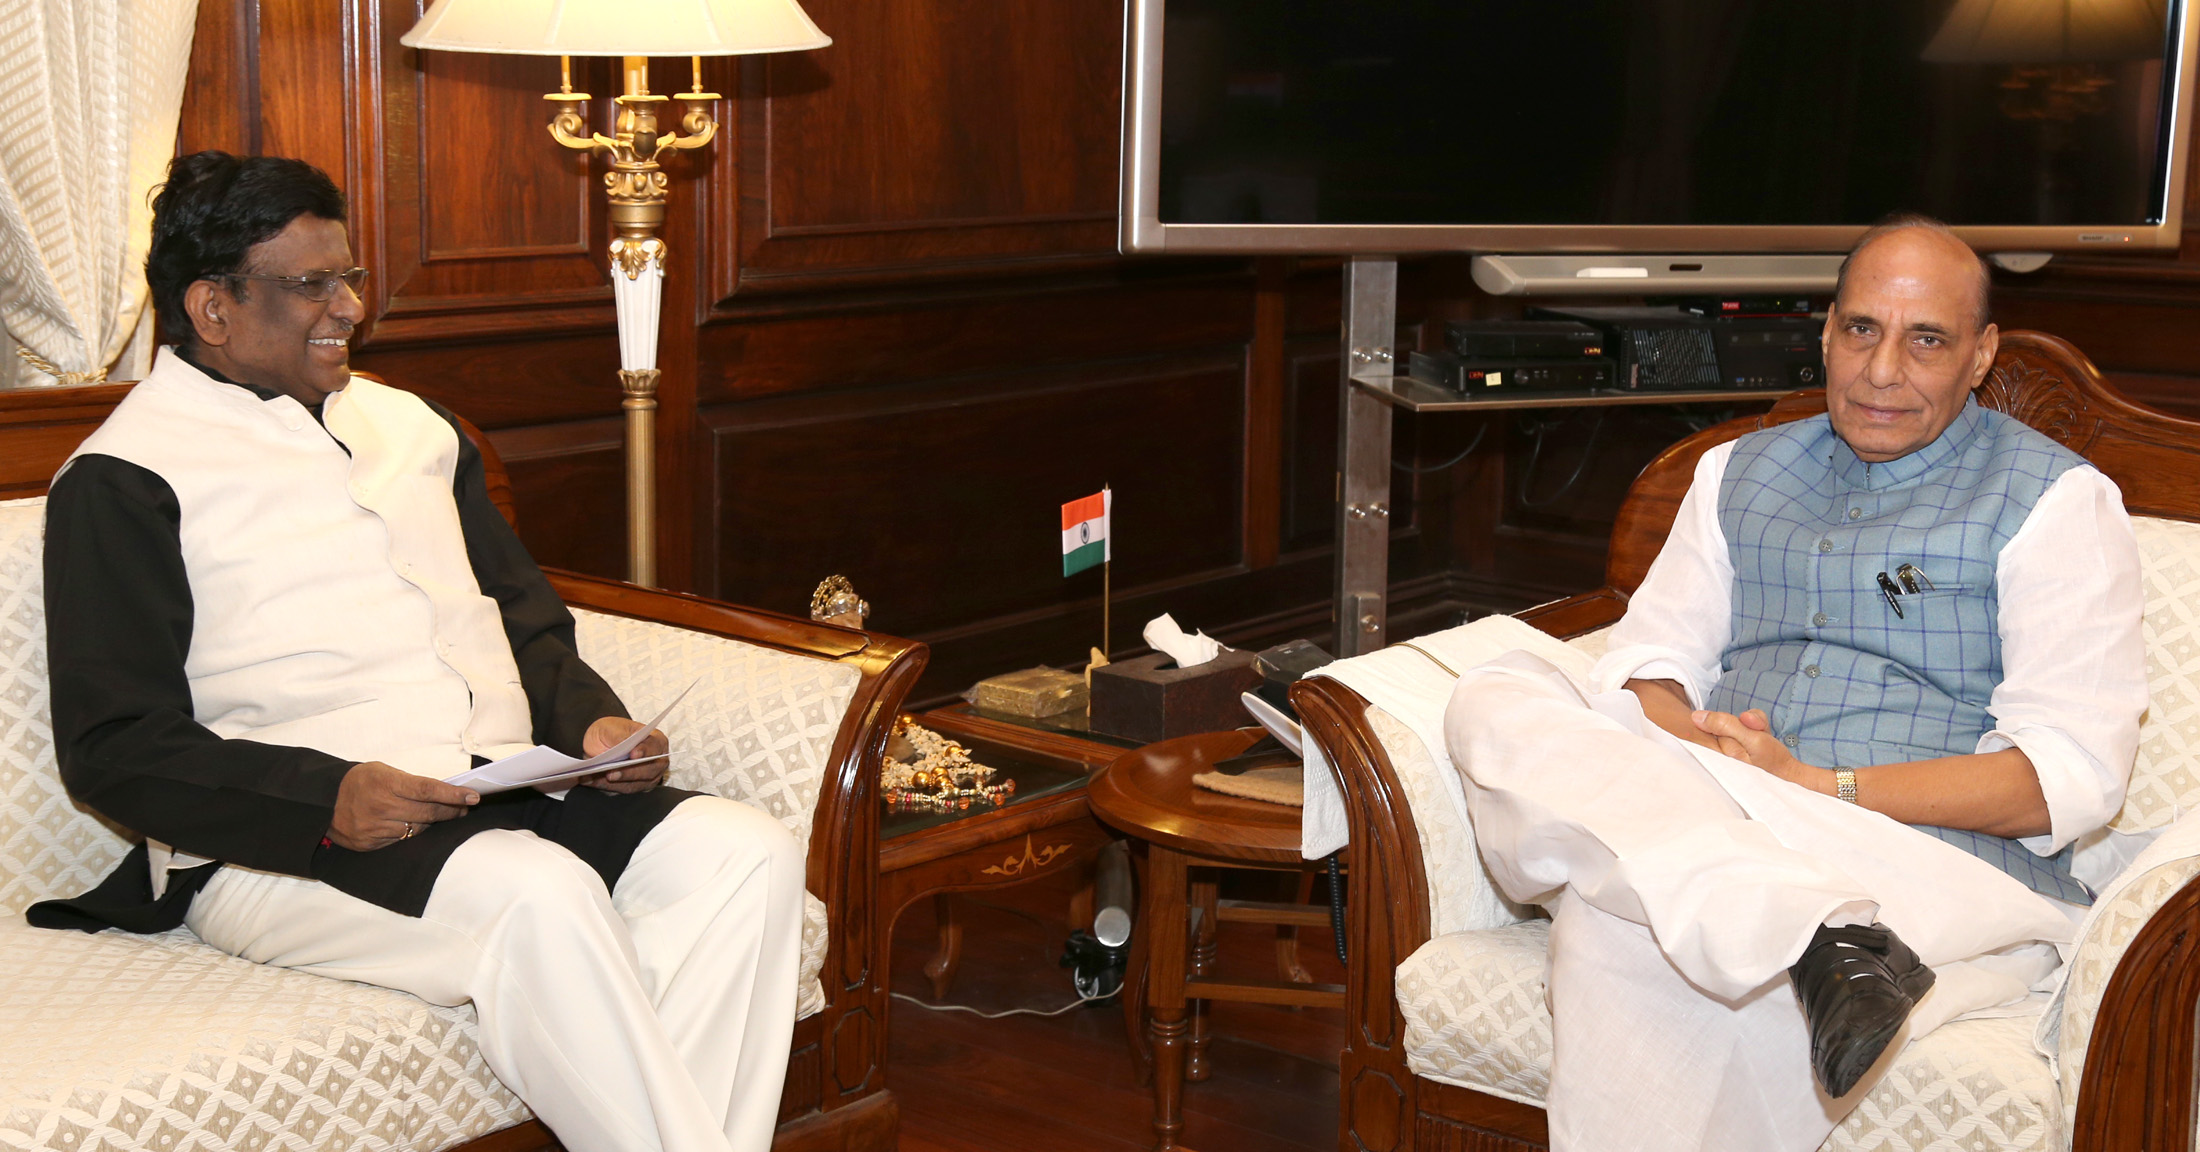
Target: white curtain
[{"x": 88, "y": 107}]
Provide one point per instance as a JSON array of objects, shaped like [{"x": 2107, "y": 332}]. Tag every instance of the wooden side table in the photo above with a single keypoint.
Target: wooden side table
[
  {"x": 1149, "y": 794},
  {"x": 1034, "y": 836}
]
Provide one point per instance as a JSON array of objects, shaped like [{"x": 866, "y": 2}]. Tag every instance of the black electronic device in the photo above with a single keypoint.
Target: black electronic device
[
  {"x": 1744, "y": 307},
  {"x": 1523, "y": 339},
  {"x": 1672, "y": 349},
  {"x": 1770, "y": 352},
  {"x": 1472, "y": 378}
]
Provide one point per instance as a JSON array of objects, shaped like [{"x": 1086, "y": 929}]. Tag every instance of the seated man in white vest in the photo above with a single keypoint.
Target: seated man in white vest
[
  {"x": 282, "y": 611},
  {"x": 1883, "y": 678}
]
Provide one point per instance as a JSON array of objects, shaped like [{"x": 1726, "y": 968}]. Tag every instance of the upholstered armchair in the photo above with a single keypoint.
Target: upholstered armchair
[{"x": 1448, "y": 1044}]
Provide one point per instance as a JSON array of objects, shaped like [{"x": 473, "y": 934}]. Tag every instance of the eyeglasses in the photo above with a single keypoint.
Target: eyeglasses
[{"x": 318, "y": 286}]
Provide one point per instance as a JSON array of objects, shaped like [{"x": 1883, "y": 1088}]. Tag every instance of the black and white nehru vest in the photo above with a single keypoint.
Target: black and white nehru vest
[{"x": 333, "y": 603}]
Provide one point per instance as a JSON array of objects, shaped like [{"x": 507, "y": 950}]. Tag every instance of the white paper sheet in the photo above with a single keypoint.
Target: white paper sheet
[{"x": 544, "y": 765}]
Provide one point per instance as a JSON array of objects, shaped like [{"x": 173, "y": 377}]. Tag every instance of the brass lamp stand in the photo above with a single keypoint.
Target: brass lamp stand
[
  {"x": 636, "y": 185},
  {"x": 634, "y": 32}
]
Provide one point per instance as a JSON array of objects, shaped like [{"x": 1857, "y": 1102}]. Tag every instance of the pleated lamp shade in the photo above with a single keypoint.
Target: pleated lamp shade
[
  {"x": 2051, "y": 32},
  {"x": 616, "y": 27}
]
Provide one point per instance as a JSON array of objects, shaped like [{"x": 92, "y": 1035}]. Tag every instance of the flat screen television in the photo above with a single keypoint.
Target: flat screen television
[{"x": 1524, "y": 126}]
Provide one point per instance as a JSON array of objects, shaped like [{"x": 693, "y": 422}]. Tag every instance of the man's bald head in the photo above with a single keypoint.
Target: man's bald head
[{"x": 1919, "y": 231}]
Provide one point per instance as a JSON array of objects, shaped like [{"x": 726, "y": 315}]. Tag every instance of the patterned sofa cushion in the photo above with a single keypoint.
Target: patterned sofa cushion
[
  {"x": 1476, "y": 1017},
  {"x": 758, "y": 727},
  {"x": 48, "y": 846},
  {"x": 120, "y": 1042}
]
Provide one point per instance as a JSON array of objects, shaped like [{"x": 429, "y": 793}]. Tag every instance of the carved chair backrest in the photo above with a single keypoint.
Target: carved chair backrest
[{"x": 2037, "y": 378}]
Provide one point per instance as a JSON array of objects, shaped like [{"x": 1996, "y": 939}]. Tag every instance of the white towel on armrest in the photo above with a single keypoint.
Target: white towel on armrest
[{"x": 1414, "y": 688}]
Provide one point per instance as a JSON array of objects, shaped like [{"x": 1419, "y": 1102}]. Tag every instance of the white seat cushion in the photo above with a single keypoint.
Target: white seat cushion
[
  {"x": 1476, "y": 1016},
  {"x": 121, "y": 1042}
]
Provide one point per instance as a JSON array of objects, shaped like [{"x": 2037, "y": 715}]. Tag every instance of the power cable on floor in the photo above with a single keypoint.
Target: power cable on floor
[{"x": 1078, "y": 1003}]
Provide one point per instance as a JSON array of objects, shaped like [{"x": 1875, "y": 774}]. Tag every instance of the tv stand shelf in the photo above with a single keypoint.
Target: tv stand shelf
[
  {"x": 1420, "y": 396},
  {"x": 1370, "y": 392}
]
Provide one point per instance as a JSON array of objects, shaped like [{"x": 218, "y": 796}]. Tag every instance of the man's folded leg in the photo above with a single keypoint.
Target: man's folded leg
[
  {"x": 526, "y": 931},
  {"x": 1643, "y": 1062},
  {"x": 1562, "y": 796},
  {"x": 713, "y": 902}
]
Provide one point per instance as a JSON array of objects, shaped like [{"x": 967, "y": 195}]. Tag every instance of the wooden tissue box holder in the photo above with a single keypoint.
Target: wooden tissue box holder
[{"x": 1149, "y": 698}]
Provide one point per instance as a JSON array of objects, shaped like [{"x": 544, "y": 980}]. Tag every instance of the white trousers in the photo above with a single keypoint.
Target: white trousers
[
  {"x": 1682, "y": 885},
  {"x": 654, "y": 1017}
]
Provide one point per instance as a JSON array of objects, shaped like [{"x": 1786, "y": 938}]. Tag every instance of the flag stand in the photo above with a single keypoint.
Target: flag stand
[
  {"x": 1105, "y": 605},
  {"x": 1079, "y": 550}
]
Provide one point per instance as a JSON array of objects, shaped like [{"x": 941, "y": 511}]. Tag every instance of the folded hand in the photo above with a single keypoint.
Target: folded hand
[
  {"x": 608, "y": 731},
  {"x": 1749, "y": 739}
]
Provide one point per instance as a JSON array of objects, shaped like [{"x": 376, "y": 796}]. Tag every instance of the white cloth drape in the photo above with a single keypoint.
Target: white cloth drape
[{"x": 87, "y": 125}]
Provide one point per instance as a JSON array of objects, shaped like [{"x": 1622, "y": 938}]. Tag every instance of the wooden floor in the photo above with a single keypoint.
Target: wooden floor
[{"x": 1068, "y": 1083}]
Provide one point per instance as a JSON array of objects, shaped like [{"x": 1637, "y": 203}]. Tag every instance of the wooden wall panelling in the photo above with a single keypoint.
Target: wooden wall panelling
[
  {"x": 309, "y": 106},
  {"x": 1266, "y": 385},
  {"x": 572, "y": 476},
  {"x": 941, "y": 500},
  {"x": 487, "y": 227},
  {"x": 932, "y": 139},
  {"x": 783, "y": 345},
  {"x": 221, "y": 97}
]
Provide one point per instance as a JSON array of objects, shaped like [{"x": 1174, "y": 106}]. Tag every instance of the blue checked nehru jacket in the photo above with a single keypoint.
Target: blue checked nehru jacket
[{"x": 1846, "y": 682}]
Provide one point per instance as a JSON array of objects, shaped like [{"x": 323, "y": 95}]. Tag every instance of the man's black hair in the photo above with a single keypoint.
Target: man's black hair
[
  {"x": 1983, "y": 312},
  {"x": 212, "y": 210}
]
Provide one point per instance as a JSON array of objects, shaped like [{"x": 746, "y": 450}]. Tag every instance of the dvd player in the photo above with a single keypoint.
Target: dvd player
[
  {"x": 1477, "y": 377},
  {"x": 1523, "y": 339}
]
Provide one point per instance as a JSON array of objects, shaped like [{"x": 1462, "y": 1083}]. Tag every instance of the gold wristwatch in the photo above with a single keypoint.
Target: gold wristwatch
[{"x": 1844, "y": 784}]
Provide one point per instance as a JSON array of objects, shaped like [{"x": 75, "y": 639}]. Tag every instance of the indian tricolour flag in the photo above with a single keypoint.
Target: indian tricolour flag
[{"x": 1085, "y": 532}]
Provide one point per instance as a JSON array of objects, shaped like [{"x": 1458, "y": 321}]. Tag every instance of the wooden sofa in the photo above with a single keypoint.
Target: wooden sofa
[
  {"x": 2138, "y": 1068},
  {"x": 835, "y": 1095}
]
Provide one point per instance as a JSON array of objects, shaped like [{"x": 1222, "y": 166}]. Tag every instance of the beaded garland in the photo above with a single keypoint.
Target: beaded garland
[{"x": 942, "y": 777}]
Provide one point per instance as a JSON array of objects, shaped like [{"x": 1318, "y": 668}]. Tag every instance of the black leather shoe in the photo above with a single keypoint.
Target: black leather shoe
[{"x": 1857, "y": 986}]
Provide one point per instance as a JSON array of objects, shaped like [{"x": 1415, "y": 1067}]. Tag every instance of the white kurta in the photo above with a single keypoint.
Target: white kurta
[{"x": 1683, "y": 883}]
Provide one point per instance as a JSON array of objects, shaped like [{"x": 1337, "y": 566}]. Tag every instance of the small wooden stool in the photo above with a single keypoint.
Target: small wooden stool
[{"x": 1149, "y": 794}]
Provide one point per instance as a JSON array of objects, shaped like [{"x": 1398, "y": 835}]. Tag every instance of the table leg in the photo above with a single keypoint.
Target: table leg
[
  {"x": 1287, "y": 938},
  {"x": 1165, "y": 916},
  {"x": 1203, "y": 965},
  {"x": 1080, "y": 907},
  {"x": 1133, "y": 994},
  {"x": 940, "y": 969}
]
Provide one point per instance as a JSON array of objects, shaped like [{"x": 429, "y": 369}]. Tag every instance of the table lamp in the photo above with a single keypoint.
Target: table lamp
[{"x": 635, "y": 30}]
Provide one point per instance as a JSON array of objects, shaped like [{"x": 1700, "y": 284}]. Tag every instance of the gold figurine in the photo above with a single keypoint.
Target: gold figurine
[{"x": 836, "y": 602}]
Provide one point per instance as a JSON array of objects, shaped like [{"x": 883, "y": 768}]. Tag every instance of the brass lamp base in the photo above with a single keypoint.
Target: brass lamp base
[{"x": 636, "y": 188}]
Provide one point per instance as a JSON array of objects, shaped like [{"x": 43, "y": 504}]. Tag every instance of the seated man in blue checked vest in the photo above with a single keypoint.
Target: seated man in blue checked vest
[
  {"x": 1881, "y": 686},
  {"x": 282, "y": 612}
]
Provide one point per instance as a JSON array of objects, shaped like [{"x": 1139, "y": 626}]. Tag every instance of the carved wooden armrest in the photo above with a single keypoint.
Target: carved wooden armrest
[{"x": 2126, "y": 1041}]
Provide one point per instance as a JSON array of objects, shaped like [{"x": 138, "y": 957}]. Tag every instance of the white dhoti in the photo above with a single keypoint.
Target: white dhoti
[
  {"x": 654, "y": 1016},
  {"x": 1683, "y": 884}
]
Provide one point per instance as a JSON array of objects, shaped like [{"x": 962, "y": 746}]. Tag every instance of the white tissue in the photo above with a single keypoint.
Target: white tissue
[{"x": 1191, "y": 651}]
